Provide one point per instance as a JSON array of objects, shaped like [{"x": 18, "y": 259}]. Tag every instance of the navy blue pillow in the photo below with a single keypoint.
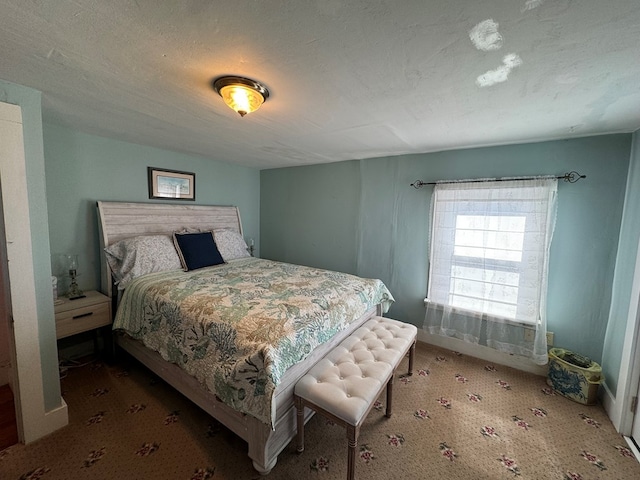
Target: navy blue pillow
[{"x": 197, "y": 250}]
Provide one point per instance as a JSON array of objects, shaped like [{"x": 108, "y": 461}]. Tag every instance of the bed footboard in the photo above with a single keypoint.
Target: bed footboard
[{"x": 264, "y": 443}]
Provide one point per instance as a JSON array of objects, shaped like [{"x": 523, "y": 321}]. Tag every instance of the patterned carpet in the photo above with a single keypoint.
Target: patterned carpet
[{"x": 455, "y": 418}]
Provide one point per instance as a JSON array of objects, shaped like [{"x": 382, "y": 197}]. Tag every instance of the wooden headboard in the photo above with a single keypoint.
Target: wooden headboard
[{"x": 119, "y": 220}]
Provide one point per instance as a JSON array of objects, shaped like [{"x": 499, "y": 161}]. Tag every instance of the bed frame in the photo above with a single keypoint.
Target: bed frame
[{"x": 118, "y": 220}]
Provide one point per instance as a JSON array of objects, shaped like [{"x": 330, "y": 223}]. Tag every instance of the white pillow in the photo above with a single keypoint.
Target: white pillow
[
  {"x": 135, "y": 256},
  {"x": 230, "y": 244}
]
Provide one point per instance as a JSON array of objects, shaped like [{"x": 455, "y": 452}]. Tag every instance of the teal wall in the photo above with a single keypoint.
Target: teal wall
[
  {"x": 362, "y": 217},
  {"x": 624, "y": 272},
  {"x": 30, "y": 102},
  {"x": 309, "y": 215},
  {"x": 82, "y": 168},
  {"x": 357, "y": 216}
]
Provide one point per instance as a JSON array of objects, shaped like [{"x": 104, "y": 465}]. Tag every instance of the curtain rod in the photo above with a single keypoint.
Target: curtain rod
[{"x": 570, "y": 177}]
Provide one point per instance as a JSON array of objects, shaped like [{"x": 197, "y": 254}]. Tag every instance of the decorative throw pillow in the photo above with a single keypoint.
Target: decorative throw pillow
[
  {"x": 136, "y": 256},
  {"x": 230, "y": 244},
  {"x": 197, "y": 250}
]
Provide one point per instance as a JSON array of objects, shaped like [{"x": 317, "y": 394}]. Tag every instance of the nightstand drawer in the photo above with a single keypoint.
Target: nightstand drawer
[{"x": 82, "y": 319}]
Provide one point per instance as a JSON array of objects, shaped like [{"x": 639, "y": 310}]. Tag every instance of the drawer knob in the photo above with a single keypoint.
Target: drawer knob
[{"x": 83, "y": 315}]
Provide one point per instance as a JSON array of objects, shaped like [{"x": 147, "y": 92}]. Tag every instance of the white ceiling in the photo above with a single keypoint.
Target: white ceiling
[{"x": 348, "y": 79}]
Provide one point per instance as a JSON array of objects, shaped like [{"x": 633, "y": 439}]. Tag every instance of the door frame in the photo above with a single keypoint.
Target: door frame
[
  {"x": 5, "y": 292},
  {"x": 629, "y": 376},
  {"x": 33, "y": 420}
]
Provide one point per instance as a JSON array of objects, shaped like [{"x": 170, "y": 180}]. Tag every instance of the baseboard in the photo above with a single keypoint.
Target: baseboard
[
  {"x": 483, "y": 353},
  {"x": 50, "y": 422},
  {"x": 633, "y": 448}
]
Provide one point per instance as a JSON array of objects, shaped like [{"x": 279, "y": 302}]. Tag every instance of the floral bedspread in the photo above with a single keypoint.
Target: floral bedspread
[{"x": 237, "y": 327}]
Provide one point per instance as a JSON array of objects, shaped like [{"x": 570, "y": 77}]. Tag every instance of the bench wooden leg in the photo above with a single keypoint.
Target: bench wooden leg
[
  {"x": 300, "y": 422},
  {"x": 412, "y": 354},
  {"x": 352, "y": 439},
  {"x": 389, "y": 396}
]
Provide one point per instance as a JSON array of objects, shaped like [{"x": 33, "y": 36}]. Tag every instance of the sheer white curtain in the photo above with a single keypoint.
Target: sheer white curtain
[{"x": 489, "y": 256}]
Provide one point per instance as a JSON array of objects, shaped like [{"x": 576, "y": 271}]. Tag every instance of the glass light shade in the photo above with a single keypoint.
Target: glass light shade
[
  {"x": 241, "y": 99},
  {"x": 241, "y": 94},
  {"x": 72, "y": 264}
]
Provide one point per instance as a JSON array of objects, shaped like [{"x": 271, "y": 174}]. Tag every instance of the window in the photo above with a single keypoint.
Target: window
[
  {"x": 484, "y": 270},
  {"x": 489, "y": 247}
]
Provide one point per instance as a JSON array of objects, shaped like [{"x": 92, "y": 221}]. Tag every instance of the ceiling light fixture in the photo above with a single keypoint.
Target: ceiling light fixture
[{"x": 241, "y": 94}]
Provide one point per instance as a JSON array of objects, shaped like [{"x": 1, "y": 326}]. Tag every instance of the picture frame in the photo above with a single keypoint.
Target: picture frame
[{"x": 171, "y": 184}]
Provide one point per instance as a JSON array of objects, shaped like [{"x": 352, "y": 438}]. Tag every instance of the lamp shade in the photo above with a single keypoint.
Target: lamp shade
[{"x": 242, "y": 95}]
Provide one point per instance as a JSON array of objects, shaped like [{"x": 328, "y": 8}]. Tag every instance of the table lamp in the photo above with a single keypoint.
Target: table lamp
[{"x": 74, "y": 291}]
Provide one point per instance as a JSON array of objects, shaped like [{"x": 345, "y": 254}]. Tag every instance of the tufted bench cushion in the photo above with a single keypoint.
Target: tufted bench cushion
[
  {"x": 350, "y": 378},
  {"x": 346, "y": 382}
]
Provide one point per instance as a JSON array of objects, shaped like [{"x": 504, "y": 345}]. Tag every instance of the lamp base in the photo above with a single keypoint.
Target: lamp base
[{"x": 74, "y": 291}]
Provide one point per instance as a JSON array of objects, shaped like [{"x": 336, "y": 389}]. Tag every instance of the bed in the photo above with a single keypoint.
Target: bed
[{"x": 250, "y": 393}]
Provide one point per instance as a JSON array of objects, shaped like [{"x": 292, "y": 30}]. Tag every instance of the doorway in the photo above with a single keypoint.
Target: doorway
[
  {"x": 634, "y": 385},
  {"x": 633, "y": 391},
  {"x": 635, "y": 431},
  {"x": 628, "y": 391},
  {"x": 8, "y": 422}
]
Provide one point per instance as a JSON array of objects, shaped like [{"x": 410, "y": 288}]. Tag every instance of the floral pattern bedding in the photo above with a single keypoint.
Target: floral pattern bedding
[{"x": 239, "y": 326}]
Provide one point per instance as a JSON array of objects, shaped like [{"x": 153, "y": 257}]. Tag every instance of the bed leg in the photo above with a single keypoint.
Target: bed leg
[
  {"x": 265, "y": 469},
  {"x": 300, "y": 424},
  {"x": 261, "y": 448}
]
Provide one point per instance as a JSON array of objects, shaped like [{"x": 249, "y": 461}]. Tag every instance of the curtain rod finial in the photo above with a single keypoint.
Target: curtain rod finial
[
  {"x": 572, "y": 177},
  {"x": 418, "y": 184}
]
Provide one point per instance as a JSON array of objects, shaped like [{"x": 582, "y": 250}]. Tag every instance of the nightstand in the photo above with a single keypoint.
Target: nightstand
[{"x": 83, "y": 314}]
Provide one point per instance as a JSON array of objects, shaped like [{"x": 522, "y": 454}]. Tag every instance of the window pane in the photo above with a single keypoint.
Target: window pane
[
  {"x": 502, "y": 223},
  {"x": 493, "y": 237},
  {"x": 500, "y": 277},
  {"x": 488, "y": 253},
  {"x": 494, "y": 292},
  {"x": 491, "y": 308}
]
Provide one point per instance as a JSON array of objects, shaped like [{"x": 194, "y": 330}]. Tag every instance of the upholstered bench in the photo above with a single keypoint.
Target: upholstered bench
[{"x": 345, "y": 384}]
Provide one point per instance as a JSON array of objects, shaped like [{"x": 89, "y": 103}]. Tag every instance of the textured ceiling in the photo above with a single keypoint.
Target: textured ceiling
[{"x": 348, "y": 79}]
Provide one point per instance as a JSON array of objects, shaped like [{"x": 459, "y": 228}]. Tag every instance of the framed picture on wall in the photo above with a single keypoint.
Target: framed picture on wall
[{"x": 171, "y": 184}]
